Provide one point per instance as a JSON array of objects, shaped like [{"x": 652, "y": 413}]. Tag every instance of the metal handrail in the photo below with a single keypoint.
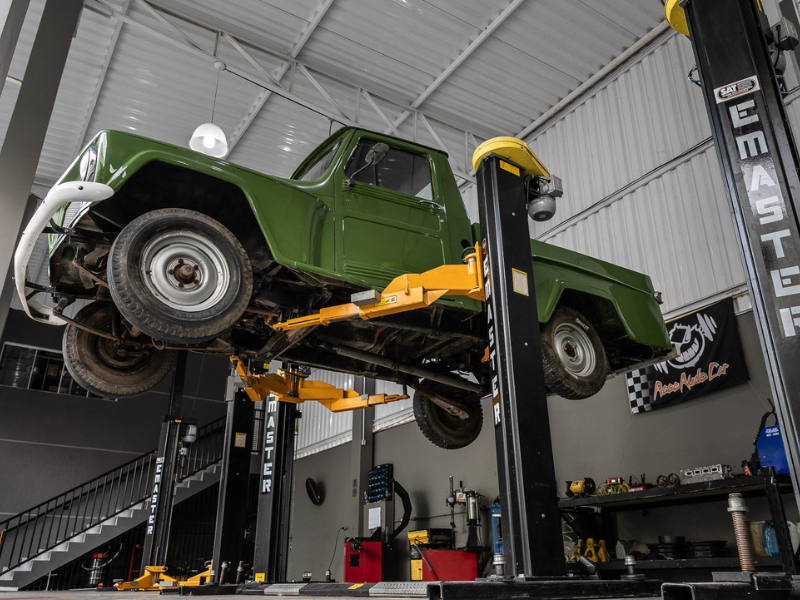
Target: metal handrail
[{"x": 48, "y": 524}]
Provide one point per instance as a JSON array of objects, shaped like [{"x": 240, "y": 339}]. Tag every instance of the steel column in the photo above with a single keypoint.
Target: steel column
[
  {"x": 361, "y": 451},
  {"x": 231, "y": 519},
  {"x": 759, "y": 166},
  {"x": 275, "y": 494},
  {"x": 162, "y": 485},
  {"x": 24, "y": 138},
  {"x": 528, "y": 493}
]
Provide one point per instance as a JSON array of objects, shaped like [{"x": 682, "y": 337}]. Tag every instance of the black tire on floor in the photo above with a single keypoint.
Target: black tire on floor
[
  {"x": 95, "y": 364},
  {"x": 440, "y": 427},
  {"x": 575, "y": 364},
  {"x": 179, "y": 276}
]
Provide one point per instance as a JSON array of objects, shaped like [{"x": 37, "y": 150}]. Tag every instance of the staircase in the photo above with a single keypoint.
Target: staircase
[{"x": 53, "y": 533}]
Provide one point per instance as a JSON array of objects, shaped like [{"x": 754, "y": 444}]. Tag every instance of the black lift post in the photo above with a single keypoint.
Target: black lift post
[
  {"x": 233, "y": 486},
  {"x": 162, "y": 485},
  {"x": 759, "y": 164},
  {"x": 275, "y": 492},
  {"x": 532, "y": 541}
]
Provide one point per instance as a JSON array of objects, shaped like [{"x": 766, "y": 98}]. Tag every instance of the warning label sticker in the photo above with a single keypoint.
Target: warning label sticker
[{"x": 519, "y": 281}]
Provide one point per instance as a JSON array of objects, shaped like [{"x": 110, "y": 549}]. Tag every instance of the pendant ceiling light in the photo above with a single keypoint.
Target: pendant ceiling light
[{"x": 209, "y": 138}]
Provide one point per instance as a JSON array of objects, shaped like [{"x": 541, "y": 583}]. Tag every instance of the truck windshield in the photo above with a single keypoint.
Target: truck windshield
[{"x": 317, "y": 168}]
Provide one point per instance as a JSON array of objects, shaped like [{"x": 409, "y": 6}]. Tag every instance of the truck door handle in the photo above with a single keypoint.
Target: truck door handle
[{"x": 432, "y": 204}]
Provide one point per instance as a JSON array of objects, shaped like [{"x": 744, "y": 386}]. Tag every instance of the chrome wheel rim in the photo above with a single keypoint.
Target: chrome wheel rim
[
  {"x": 574, "y": 349},
  {"x": 185, "y": 271}
]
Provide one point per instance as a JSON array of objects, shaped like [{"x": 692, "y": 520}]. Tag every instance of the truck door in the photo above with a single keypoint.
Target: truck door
[{"x": 388, "y": 223}]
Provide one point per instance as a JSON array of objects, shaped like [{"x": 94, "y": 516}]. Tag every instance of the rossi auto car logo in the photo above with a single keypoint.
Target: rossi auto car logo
[{"x": 736, "y": 89}]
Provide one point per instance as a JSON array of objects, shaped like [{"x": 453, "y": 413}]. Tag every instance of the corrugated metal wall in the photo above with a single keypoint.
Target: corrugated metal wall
[
  {"x": 642, "y": 182},
  {"x": 319, "y": 428},
  {"x": 396, "y": 413}
]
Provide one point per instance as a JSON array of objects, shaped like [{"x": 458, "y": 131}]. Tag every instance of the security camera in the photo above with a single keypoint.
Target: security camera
[
  {"x": 542, "y": 194},
  {"x": 542, "y": 208}
]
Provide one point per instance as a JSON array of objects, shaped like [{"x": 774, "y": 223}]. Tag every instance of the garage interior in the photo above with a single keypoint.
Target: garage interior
[{"x": 614, "y": 102}]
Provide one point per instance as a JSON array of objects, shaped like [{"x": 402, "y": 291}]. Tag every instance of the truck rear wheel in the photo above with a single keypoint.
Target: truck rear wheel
[
  {"x": 440, "y": 427},
  {"x": 100, "y": 366},
  {"x": 179, "y": 276},
  {"x": 575, "y": 364}
]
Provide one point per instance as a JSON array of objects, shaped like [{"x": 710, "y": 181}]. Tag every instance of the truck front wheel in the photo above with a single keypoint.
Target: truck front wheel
[
  {"x": 179, "y": 276},
  {"x": 574, "y": 360},
  {"x": 440, "y": 427},
  {"x": 105, "y": 368}
]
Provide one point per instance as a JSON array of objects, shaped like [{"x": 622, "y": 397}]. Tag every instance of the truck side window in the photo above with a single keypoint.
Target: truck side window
[{"x": 401, "y": 171}]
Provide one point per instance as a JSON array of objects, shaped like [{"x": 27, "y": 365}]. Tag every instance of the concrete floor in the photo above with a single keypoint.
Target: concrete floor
[{"x": 114, "y": 595}]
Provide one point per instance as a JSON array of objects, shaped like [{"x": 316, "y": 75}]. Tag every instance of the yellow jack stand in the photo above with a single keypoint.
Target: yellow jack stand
[
  {"x": 152, "y": 581},
  {"x": 591, "y": 550},
  {"x": 602, "y": 552},
  {"x": 576, "y": 556}
]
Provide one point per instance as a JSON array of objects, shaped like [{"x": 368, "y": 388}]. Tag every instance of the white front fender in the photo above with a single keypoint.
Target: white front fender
[{"x": 58, "y": 196}]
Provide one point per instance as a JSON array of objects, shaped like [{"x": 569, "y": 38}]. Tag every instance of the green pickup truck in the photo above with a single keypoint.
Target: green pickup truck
[{"x": 174, "y": 249}]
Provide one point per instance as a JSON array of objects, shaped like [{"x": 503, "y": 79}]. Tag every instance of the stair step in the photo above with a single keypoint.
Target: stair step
[{"x": 70, "y": 548}]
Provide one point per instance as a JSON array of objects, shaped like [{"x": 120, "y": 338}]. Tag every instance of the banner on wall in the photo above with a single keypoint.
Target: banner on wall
[{"x": 711, "y": 359}]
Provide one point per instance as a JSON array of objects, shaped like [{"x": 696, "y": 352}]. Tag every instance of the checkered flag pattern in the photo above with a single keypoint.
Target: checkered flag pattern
[{"x": 640, "y": 390}]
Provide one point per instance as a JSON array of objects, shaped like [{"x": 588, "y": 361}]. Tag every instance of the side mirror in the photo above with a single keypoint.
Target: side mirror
[{"x": 375, "y": 155}]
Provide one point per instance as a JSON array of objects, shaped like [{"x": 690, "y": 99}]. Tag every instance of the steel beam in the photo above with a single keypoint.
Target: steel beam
[
  {"x": 464, "y": 55},
  {"x": 262, "y": 98},
  {"x": 103, "y": 71}
]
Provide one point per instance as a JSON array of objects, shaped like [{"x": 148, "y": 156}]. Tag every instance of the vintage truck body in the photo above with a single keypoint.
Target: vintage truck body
[{"x": 315, "y": 238}]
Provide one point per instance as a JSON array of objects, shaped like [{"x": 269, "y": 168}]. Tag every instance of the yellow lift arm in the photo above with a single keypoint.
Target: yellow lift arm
[
  {"x": 292, "y": 386},
  {"x": 153, "y": 580},
  {"x": 404, "y": 293}
]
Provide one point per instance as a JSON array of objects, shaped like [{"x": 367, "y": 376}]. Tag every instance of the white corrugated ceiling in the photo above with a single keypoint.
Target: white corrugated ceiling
[{"x": 474, "y": 68}]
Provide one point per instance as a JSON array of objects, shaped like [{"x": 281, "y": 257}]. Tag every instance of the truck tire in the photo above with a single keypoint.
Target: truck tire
[
  {"x": 440, "y": 427},
  {"x": 575, "y": 365},
  {"x": 98, "y": 366},
  {"x": 179, "y": 276}
]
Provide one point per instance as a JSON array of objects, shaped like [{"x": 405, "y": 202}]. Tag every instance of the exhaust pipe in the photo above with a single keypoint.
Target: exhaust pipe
[{"x": 368, "y": 357}]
